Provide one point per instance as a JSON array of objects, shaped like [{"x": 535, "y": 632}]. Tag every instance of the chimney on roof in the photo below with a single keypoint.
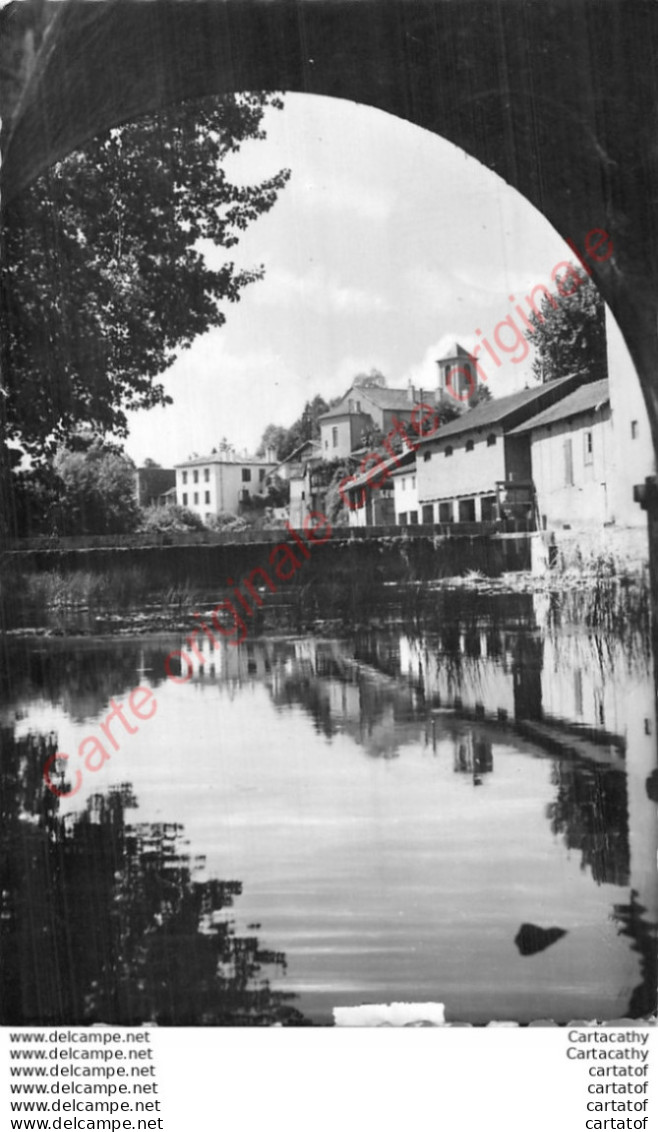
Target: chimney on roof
[
  {"x": 411, "y": 393},
  {"x": 270, "y": 455}
]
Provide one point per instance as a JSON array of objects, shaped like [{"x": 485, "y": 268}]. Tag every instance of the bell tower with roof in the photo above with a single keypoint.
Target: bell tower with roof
[{"x": 458, "y": 377}]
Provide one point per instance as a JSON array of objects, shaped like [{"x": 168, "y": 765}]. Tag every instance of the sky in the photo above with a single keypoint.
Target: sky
[{"x": 387, "y": 242}]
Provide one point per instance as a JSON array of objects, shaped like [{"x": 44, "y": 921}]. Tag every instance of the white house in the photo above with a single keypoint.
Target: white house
[
  {"x": 473, "y": 465},
  {"x": 305, "y": 452},
  {"x": 633, "y": 447},
  {"x": 405, "y": 497},
  {"x": 572, "y": 461},
  {"x": 297, "y": 470},
  {"x": 364, "y": 408},
  {"x": 219, "y": 483},
  {"x": 369, "y": 494}
]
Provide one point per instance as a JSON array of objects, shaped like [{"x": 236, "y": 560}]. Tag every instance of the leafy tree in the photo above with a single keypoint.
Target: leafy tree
[
  {"x": 103, "y": 277},
  {"x": 274, "y": 437},
  {"x": 480, "y": 395},
  {"x": 306, "y": 427},
  {"x": 448, "y": 410},
  {"x": 277, "y": 493},
  {"x": 371, "y": 436},
  {"x": 373, "y": 380},
  {"x": 97, "y": 491},
  {"x": 34, "y": 502},
  {"x": 568, "y": 334}
]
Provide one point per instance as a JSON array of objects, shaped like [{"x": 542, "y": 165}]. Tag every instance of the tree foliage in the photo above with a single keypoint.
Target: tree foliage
[
  {"x": 373, "y": 380},
  {"x": 110, "y": 920},
  {"x": 170, "y": 517},
  {"x": 97, "y": 492},
  {"x": 103, "y": 275},
  {"x": 275, "y": 437},
  {"x": 568, "y": 334},
  {"x": 306, "y": 427},
  {"x": 481, "y": 394}
]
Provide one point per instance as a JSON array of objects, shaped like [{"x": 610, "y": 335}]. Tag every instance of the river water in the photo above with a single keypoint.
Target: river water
[{"x": 451, "y": 807}]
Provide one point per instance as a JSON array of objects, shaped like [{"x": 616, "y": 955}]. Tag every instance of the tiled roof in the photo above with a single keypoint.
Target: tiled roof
[
  {"x": 499, "y": 409},
  {"x": 385, "y": 398},
  {"x": 582, "y": 400},
  {"x": 293, "y": 457},
  {"x": 375, "y": 471},
  {"x": 341, "y": 410},
  {"x": 379, "y": 395}
]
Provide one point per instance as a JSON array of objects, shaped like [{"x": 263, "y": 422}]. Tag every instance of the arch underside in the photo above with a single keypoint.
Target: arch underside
[{"x": 559, "y": 98}]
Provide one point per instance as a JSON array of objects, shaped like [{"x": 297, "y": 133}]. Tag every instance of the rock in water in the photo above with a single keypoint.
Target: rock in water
[{"x": 530, "y": 938}]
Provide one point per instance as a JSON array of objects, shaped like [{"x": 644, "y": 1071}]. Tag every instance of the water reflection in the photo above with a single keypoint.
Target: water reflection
[
  {"x": 108, "y": 920},
  {"x": 502, "y": 798}
]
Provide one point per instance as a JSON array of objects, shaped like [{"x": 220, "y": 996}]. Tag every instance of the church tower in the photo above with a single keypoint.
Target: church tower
[{"x": 458, "y": 378}]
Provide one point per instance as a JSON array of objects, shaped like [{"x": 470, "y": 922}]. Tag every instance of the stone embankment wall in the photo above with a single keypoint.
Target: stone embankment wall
[{"x": 393, "y": 558}]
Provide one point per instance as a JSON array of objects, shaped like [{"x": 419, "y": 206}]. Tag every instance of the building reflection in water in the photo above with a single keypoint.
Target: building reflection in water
[
  {"x": 579, "y": 697},
  {"x": 501, "y": 676}
]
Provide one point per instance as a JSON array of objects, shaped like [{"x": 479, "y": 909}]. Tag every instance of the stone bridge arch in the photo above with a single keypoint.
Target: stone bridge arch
[{"x": 559, "y": 97}]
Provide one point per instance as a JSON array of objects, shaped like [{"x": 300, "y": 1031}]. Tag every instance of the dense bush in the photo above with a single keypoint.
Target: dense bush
[{"x": 170, "y": 517}]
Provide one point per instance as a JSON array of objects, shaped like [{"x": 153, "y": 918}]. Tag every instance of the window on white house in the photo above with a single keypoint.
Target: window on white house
[
  {"x": 196, "y": 497},
  {"x": 184, "y": 477},
  {"x": 470, "y": 445},
  {"x": 491, "y": 439},
  {"x": 206, "y": 474},
  {"x": 427, "y": 456},
  {"x": 246, "y": 475},
  {"x": 184, "y": 499},
  {"x": 413, "y": 482},
  {"x": 404, "y": 483},
  {"x": 334, "y": 436},
  {"x": 207, "y": 497},
  {"x": 588, "y": 440},
  {"x": 402, "y": 518},
  {"x": 568, "y": 463},
  {"x": 634, "y": 430},
  {"x": 448, "y": 451},
  {"x": 196, "y": 477}
]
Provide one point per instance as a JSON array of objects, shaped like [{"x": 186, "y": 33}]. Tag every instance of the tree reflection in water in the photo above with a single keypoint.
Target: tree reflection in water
[
  {"x": 106, "y": 921},
  {"x": 644, "y": 940},
  {"x": 590, "y": 811}
]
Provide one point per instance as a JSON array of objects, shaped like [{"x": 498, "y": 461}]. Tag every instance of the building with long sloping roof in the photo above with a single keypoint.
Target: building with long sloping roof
[
  {"x": 471, "y": 465},
  {"x": 572, "y": 458}
]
